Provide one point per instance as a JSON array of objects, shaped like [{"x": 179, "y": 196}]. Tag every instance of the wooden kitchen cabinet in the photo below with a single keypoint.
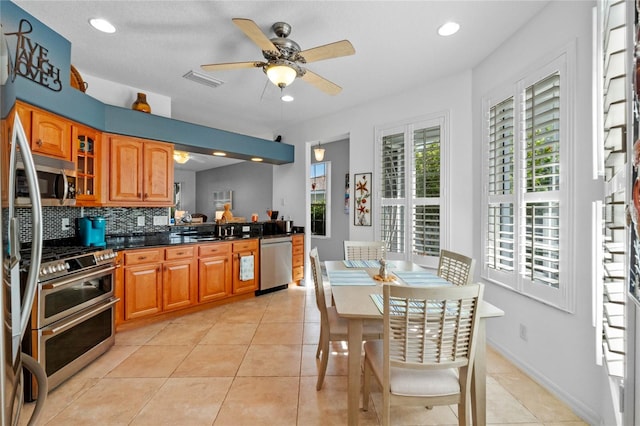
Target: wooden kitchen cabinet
[
  {"x": 142, "y": 283},
  {"x": 140, "y": 172},
  {"x": 297, "y": 259},
  {"x": 87, "y": 149},
  {"x": 245, "y": 249},
  {"x": 214, "y": 272},
  {"x": 179, "y": 278},
  {"x": 158, "y": 172},
  {"x": 50, "y": 134}
]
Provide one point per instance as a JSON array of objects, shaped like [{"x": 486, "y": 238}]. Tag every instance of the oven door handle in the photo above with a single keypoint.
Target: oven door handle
[
  {"x": 72, "y": 280},
  {"x": 75, "y": 321}
]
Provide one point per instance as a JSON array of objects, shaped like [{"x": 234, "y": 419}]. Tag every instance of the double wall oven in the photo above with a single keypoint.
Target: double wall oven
[{"x": 73, "y": 314}]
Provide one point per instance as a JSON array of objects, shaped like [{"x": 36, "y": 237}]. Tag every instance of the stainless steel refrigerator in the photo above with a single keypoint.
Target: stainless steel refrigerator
[{"x": 16, "y": 300}]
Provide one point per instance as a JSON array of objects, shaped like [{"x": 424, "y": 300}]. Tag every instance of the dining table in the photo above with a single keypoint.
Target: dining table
[{"x": 352, "y": 286}]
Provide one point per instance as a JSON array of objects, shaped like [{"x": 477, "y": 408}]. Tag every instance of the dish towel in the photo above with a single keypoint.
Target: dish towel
[{"x": 246, "y": 268}]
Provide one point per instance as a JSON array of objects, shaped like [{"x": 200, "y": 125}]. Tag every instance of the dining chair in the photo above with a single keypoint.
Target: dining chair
[
  {"x": 456, "y": 268},
  {"x": 332, "y": 327},
  {"x": 427, "y": 352},
  {"x": 364, "y": 250}
]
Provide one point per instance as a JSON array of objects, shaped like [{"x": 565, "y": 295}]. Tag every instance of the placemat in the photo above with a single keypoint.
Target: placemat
[
  {"x": 420, "y": 278},
  {"x": 365, "y": 264},
  {"x": 354, "y": 277}
]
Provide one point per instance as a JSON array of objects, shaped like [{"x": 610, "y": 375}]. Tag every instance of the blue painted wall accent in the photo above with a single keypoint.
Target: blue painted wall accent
[{"x": 79, "y": 107}]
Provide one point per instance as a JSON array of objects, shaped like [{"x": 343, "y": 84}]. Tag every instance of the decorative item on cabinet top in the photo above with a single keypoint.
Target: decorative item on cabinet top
[
  {"x": 141, "y": 104},
  {"x": 76, "y": 80}
]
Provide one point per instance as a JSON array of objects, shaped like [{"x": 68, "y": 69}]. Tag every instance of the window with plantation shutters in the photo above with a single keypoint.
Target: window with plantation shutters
[
  {"x": 526, "y": 184},
  {"x": 500, "y": 235},
  {"x": 410, "y": 195},
  {"x": 540, "y": 245}
]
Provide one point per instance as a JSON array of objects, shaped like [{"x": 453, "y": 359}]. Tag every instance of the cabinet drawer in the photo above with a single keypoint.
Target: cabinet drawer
[
  {"x": 214, "y": 249},
  {"x": 297, "y": 260},
  {"x": 297, "y": 240},
  {"x": 298, "y": 273},
  {"x": 245, "y": 246},
  {"x": 179, "y": 252},
  {"x": 137, "y": 257},
  {"x": 298, "y": 250}
]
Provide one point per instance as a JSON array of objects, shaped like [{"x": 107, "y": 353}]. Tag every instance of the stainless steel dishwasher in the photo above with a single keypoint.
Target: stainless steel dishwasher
[{"x": 275, "y": 263}]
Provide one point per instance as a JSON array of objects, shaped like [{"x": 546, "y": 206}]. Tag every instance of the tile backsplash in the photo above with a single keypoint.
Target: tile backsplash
[{"x": 119, "y": 220}]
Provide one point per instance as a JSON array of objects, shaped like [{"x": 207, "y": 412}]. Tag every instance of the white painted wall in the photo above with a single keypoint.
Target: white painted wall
[
  {"x": 116, "y": 94},
  {"x": 560, "y": 348},
  {"x": 451, "y": 94}
]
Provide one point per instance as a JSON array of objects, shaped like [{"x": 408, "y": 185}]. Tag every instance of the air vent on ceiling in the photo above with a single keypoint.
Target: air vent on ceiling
[{"x": 207, "y": 80}]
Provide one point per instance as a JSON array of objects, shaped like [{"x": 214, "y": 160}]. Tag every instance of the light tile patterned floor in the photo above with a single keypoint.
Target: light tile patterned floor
[{"x": 253, "y": 363}]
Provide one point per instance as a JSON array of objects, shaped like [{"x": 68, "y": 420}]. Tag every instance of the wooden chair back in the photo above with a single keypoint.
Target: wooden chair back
[
  {"x": 456, "y": 268},
  {"x": 364, "y": 250}
]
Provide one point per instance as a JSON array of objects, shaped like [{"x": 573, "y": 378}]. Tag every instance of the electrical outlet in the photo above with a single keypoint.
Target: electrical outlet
[
  {"x": 160, "y": 220},
  {"x": 523, "y": 332},
  {"x": 65, "y": 224},
  {"x": 140, "y": 220}
]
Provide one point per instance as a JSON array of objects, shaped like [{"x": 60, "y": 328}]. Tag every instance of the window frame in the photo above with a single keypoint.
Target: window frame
[
  {"x": 407, "y": 127},
  {"x": 327, "y": 195},
  {"x": 563, "y": 61}
]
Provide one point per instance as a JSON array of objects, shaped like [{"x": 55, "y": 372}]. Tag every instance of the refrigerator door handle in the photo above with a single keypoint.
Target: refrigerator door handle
[{"x": 19, "y": 138}]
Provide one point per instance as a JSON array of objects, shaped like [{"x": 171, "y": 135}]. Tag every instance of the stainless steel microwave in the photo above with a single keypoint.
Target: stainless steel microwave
[{"x": 56, "y": 180}]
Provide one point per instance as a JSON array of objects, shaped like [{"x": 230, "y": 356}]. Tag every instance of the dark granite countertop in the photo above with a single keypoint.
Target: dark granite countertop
[{"x": 124, "y": 242}]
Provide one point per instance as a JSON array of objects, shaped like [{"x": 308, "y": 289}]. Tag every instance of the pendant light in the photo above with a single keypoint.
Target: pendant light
[{"x": 318, "y": 152}]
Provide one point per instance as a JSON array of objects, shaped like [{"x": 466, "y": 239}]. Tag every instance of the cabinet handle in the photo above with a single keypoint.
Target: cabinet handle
[
  {"x": 142, "y": 257},
  {"x": 139, "y": 195},
  {"x": 146, "y": 195},
  {"x": 39, "y": 142},
  {"x": 180, "y": 253},
  {"x": 158, "y": 269}
]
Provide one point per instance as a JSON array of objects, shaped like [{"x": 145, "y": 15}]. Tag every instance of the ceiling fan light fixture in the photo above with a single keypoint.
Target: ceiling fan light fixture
[
  {"x": 281, "y": 74},
  {"x": 180, "y": 157},
  {"x": 318, "y": 153}
]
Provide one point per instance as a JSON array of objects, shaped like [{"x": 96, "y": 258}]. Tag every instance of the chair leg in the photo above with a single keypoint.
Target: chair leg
[
  {"x": 366, "y": 385},
  {"x": 386, "y": 408},
  {"x": 320, "y": 342},
  {"x": 323, "y": 362}
]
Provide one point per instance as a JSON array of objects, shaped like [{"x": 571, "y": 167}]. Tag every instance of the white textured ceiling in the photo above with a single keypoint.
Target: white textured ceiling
[{"x": 397, "y": 48}]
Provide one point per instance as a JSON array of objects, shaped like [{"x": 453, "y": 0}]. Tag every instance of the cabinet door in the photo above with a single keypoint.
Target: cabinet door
[
  {"x": 86, "y": 146},
  {"x": 214, "y": 281},
  {"x": 143, "y": 291},
  {"x": 179, "y": 284},
  {"x": 248, "y": 285},
  {"x": 125, "y": 171},
  {"x": 158, "y": 172},
  {"x": 50, "y": 135}
]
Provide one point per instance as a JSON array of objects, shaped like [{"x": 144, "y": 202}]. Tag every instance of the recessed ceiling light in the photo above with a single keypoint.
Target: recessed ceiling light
[
  {"x": 102, "y": 25},
  {"x": 256, "y": 159},
  {"x": 448, "y": 29},
  {"x": 220, "y": 154},
  {"x": 287, "y": 98}
]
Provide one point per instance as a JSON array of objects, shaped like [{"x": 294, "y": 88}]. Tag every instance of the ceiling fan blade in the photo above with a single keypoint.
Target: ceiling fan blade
[
  {"x": 231, "y": 66},
  {"x": 328, "y": 51},
  {"x": 253, "y": 31},
  {"x": 321, "y": 83}
]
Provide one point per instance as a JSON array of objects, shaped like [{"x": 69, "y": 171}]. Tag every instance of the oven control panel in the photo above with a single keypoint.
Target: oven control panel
[{"x": 75, "y": 264}]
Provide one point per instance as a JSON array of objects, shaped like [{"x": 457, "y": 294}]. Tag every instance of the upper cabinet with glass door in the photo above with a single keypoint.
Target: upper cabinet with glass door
[{"x": 86, "y": 145}]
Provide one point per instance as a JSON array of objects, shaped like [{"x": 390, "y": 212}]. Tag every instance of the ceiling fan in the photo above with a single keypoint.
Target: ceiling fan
[{"x": 284, "y": 57}]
